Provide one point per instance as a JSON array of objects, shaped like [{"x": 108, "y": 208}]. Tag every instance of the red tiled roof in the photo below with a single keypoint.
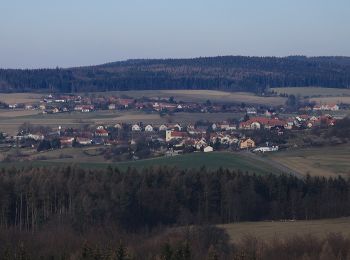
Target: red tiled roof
[
  {"x": 178, "y": 134},
  {"x": 264, "y": 121}
]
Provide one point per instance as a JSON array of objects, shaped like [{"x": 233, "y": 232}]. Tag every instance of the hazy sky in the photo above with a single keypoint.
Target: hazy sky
[{"x": 50, "y": 33}]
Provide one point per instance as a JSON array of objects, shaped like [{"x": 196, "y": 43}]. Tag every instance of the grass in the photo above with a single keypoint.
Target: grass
[
  {"x": 268, "y": 230},
  {"x": 11, "y": 123},
  {"x": 324, "y": 161},
  {"x": 200, "y": 96},
  {"x": 211, "y": 161},
  {"x": 331, "y": 100},
  {"x": 25, "y": 98},
  {"x": 313, "y": 91}
]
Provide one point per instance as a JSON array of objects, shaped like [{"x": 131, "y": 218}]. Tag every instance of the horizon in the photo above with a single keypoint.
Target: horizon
[
  {"x": 39, "y": 34},
  {"x": 177, "y": 58}
]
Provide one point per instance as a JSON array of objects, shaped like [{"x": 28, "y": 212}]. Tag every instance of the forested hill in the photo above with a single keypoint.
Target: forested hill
[{"x": 235, "y": 73}]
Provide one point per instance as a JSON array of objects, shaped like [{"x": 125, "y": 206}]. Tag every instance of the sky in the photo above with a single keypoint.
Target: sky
[{"x": 65, "y": 33}]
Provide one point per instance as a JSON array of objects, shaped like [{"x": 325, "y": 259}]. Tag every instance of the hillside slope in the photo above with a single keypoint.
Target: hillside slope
[{"x": 233, "y": 73}]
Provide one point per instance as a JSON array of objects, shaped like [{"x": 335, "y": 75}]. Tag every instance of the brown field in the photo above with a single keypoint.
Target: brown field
[
  {"x": 25, "y": 98},
  {"x": 331, "y": 100},
  {"x": 268, "y": 230},
  {"x": 17, "y": 113},
  {"x": 313, "y": 91},
  {"x": 200, "y": 96},
  {"x": 323, "y": 161}
]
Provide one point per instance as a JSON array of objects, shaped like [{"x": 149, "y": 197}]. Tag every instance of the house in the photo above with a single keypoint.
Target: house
[
  {"x": 149, "y": 128},
  {"x": 136, "y": 128},
  {"x": 125, "y": 102},
  {"x": 111, "y": 106},
  {"x": 177, "y": 127},
  {"x": 325, "y": 107},
  {"x": 199, "y": 144},
  {"x": 163, "y": 128},
  {"x": 160, "y": 106},
  {"x": 251, "y": 111},
  {"x": 36, "y": 137},
  {"x": 101, "y": 132},
  {"x": 84, "y": 108},
  {"x": 223, "y": 138},
  {"x": 208, "y": 149},
  {"x": 226, "y": 126},
  {"x": 118, "y": 126},
  {"x": 66, "y": 141},
  {"x": 289, "y": 124},
  {"x": 259, "y": 122},
  {"x": 171, "y": 134},
  {"x": 246, "y": 143},
  {"x": 84, "y": 141},
  {"x": 266, "y": 149}
]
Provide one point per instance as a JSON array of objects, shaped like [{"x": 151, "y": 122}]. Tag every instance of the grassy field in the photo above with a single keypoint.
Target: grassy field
[
  {"x": 331, "y": 100},
  {"x": 268, "y": 230},
  {"x": 314, "y": 91},
  {"x": 25, "y": 98},
  {"x": 9, "y": 122},
  {"x": 194, "y": 160},
  {"x": 200, "y": 96},
  {"x": 323, "y": 161}
]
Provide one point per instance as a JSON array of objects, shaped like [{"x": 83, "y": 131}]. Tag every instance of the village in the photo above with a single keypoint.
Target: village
[
  {"x": 133, "y": 141},
  {"x": 57, "y": 103}
]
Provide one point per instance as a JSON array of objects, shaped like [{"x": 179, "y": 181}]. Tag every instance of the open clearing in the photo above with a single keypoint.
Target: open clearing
[
  {"x": 200, "y": 96},
  {"x": 324, "y": 161},
  {"x": 213, "y": 161},
  {"x": 313, "y": 91},
  {"x": 268, "y": 230}
]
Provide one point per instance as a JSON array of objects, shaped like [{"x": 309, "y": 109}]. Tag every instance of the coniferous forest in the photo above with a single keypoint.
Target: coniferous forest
[
  {"x": 236, "y": 73},
  {"x": 94, "y": 213}
]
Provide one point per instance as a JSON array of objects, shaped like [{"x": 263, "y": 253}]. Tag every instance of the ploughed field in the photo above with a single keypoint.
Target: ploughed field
[{"x": 268, "y": 230}]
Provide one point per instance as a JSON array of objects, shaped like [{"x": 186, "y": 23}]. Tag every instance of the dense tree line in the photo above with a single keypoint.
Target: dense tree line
[
  {"x": 253, "y": 74},
  {"x": 188, "y": 243},
  {"x": 135, "y": 200}
]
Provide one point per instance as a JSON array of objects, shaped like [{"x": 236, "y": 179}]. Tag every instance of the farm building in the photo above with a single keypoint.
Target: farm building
[{"x": 246, "y": 143}]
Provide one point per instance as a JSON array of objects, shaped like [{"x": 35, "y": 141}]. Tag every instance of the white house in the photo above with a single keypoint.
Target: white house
[
  {"x": 266, "y": 149},
  {"x": 163, "y": 128},
  {"x": 118, "y": 126},
  {"x": 251, "y": 111},
  {"x": 200, "y": 143},
  {"x": 333, "y": 107},
  {"x": 149, "y": 128},
  {"x": 177, "y": 127},
  {"x": 135, "y": 128},
  {"x": 111, "y": 106},
  {"x": 208, "y": 149}
]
